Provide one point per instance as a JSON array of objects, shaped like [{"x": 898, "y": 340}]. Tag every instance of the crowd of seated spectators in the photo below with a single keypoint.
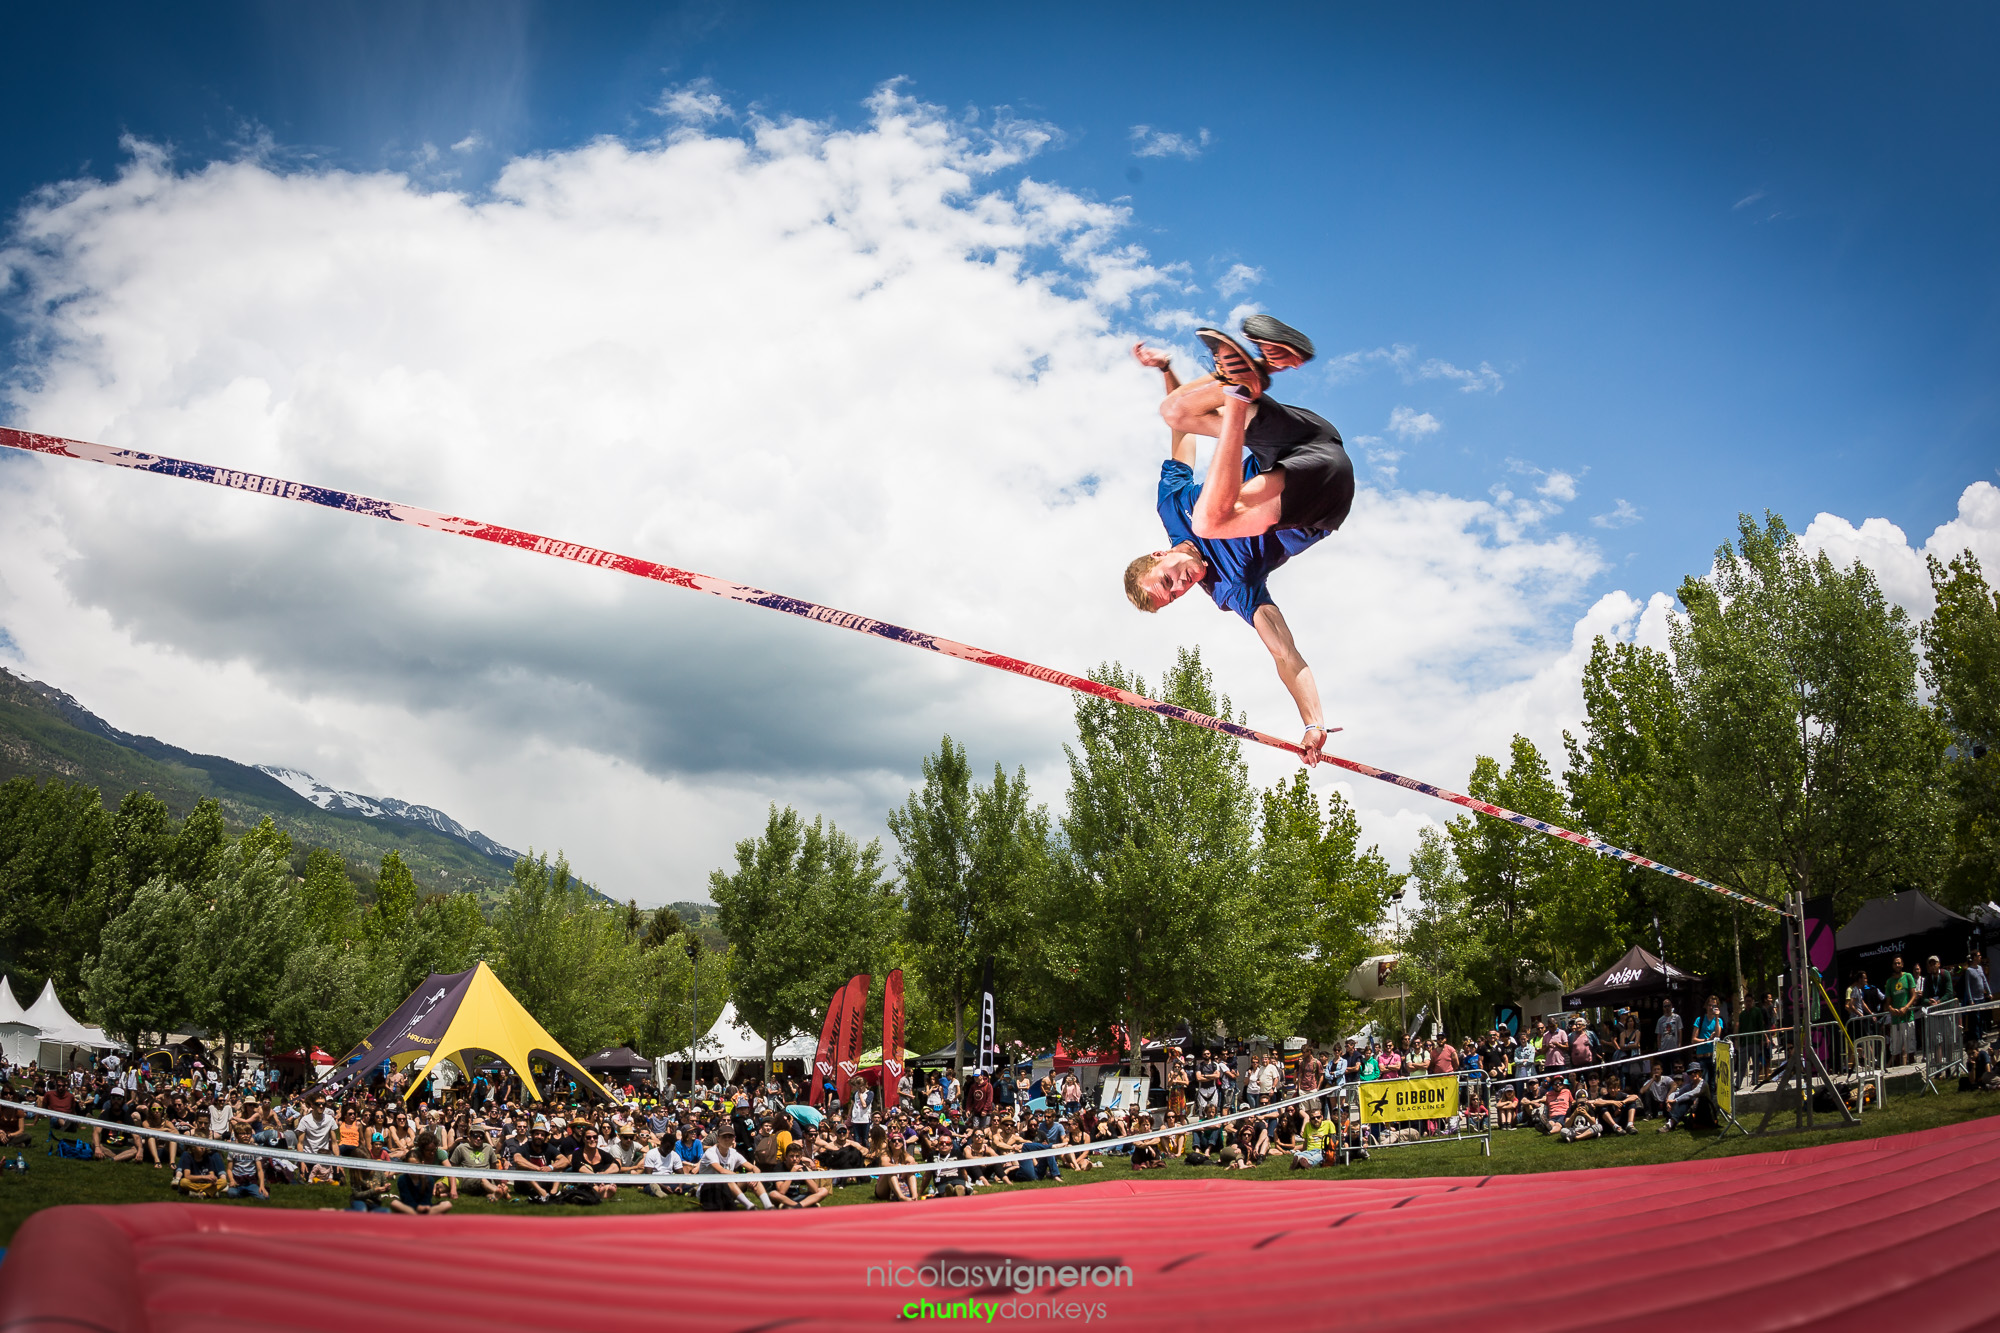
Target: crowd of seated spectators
[{"x": 1562, "y": 1077}]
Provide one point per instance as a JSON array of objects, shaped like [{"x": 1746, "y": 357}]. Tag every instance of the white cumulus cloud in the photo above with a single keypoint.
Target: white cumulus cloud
[
  {"x": 1409, "y": 424},
  {"x": 1238, "y": 279},
  {"x": 1150, "y": 142},
  {"x": 675, "y": 349},
  {"x": 1402, "y": 358}
]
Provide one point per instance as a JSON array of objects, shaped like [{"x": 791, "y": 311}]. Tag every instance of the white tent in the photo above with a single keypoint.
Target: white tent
[
  {"x": 731, "y": 1042},
  {"x": 57, "y": 1027},
  {"x": 20, "y": 1040}
]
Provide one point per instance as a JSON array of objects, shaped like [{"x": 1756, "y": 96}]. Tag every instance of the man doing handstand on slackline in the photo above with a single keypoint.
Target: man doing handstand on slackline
[{"x": 1279, "y": 481}]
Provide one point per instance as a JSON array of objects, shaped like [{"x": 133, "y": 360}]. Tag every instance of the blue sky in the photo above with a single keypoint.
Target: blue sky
[
  {"x": 1618, "y": 276},
  {"x": 1723, "y": 262}
]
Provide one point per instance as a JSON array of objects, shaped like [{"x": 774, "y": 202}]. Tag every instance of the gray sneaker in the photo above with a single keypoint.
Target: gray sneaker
[{"x": 1266, "y": 329}]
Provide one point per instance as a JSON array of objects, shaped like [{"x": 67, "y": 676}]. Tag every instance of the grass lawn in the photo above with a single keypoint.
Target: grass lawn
[{"x": 53, "y": 1180}]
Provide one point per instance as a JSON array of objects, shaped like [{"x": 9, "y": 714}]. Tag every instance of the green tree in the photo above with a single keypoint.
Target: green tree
[
  {"x": 59, "y": 873},
  {"x": 1312, "y": 867},
  {"x": 970, "y": 856},
  {"x": 1962, "y": 669},
  {"x": 663, "y": 924},
  {"x": 671, "y": 982},
  {"x": 1538, "y": 902},
  {"x": 324, "y": 997},
  {"x": 1441, "y": 949},
  {"x": 1151, "y": 914},
  {"x": 565, "y": 955},
  {"x": 266, "y": 838},
  {"x": 135, "y": 984},
  {"x": 1813, "y": 767},
  {"x": 199, "y": 845},
  {"x": 240, "y": 934},
  {"x": 388, "y": 919},
  {"x": 143, "y": 829},
  {"x": 449, "y": 934},
  {"x": 805, "y": 909},
  {"x": 325, "y": 905}
]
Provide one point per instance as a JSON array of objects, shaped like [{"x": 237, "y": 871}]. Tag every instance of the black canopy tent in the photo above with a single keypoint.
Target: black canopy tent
[
  {"x": 619, "y": 1059},
  {"x": 1908, "y": 924},
  {"x": 1636, "y": 977}
]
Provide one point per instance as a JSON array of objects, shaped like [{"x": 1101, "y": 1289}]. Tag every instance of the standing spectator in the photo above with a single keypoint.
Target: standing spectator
[
  {"x": 1524, "y": 1054},
  {"x": 1939, "y": 993},
  {"x": 860, "y": 1113},
  {"x": 1977, "y": 991},
  {"x": 1582, "y": 1044},
  {"x": 1625, "y": 1048},
  {"x": 1901, "y": 993},
  {"x": 1268, "y": 1077},
  {"x": 1707, "y": 1029},
  {"x": 1667, "y": 1031},
  {"x": 980, "y": 1101},
  {"x": 1555, "y": 1047}
]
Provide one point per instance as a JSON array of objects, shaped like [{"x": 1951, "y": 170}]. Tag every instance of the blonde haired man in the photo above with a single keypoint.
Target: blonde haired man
[{"x": 1278, "y": 483}]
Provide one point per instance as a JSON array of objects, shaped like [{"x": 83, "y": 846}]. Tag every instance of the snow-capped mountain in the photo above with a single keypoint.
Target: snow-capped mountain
[{"x": 384, "y": 807}]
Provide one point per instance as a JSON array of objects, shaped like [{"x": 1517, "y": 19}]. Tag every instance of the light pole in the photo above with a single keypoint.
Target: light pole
[
  {"x": 1402, "y": 1016},
  {"x": 694, "y": 1008}
]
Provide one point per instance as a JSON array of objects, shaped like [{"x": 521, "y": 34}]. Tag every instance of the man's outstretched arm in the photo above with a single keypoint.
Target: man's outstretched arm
[{"x": 1297, "y": 675}]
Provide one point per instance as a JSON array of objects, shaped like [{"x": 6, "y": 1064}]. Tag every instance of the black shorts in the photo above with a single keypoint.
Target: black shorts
[{"x": 1319, "y": 477}]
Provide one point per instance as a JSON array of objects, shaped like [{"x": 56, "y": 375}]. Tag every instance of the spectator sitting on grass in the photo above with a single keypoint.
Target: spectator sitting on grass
[
  {"x": 948, "y": 1179},
  {"x": 535, "y": 1155},
  {"x": 114, "y": 1145},
  {"x": 246, "y": 1170},
  {"x": 1320, "y": 1135},
  {"x": 1657, "y": 1091},
  {"x": 800, "y": 1193},
  {"x": 662, "y": 1163},
  {"x": 200, "y": 1170},
  {"x": 1580, "y": 1125},
  {"x": 417, "y": 1194},
  {"x": 369, "y": 1191},
  {"x": 1681, "y": 1105},
  {"x": 723, "y": 1160},
  {"x": 590, "y": 1160},
  {"x": 1615, "y": 1109},
  {"x": 1556, "y": 1104},
  {"x": 1507, "y": 1106},
  {"x": 13, "y": 1127},
  {"x": 476, "y": 1151}
]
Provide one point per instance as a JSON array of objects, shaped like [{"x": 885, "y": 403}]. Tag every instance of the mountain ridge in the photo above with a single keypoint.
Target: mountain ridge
[{"x": 45, "y": 732}]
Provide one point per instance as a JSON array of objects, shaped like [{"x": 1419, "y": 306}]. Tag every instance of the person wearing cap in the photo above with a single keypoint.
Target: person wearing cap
[
  {"x": 536, "y": 1155},
  {"x": 476, "y": 1151},
  {"x": 1278, "y": 482},
  {"x": 722, "y": 1159}
]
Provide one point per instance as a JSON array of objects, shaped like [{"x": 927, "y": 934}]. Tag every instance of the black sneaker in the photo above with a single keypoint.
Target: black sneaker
[
  {"x": 1266, "y": 329},
  {"x": 1234, "y": 365}
]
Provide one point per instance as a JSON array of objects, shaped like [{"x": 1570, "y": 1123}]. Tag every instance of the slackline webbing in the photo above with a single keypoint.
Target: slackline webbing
[{"x": 328, "y": 498}]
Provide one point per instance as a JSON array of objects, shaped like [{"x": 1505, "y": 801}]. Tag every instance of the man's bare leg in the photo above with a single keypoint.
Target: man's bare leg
[{"x": 1196, "y": 407}]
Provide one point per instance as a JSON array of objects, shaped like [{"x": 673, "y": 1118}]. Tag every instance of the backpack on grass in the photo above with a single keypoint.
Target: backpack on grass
[{"x": 76, "y": 1148}]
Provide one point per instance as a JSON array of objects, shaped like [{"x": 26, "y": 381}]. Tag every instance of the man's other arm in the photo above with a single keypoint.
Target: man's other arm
[{"x": 1294, "y": 671}]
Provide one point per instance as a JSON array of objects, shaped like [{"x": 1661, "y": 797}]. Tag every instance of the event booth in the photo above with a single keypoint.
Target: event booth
[
  {"x": 57, "y": 1035},
  {"x": 730, "y": 1044},
  {"x": 1906, "y": 924},
  {"x": 459, "y": 1014},
  {"x": 1641, "y": 982},
  {"x": 20, "y": 1040}
]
